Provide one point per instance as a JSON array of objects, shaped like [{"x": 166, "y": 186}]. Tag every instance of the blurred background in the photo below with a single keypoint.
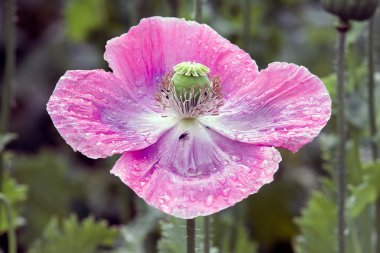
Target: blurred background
[{"x": 55, "y": 191}]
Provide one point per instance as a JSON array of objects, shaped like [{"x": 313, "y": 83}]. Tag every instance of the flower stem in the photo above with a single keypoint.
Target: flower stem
[
  {"x": 198, "y": 10},
  {"x": 8, "y": 78},
  {"x": 246, "y": 23},
  {"x": 342, "y": 29},
  {"x": 372, "y": 117},
  {"x": 190, "y": 230},
  {"x": 11, "y": 231},
  {"x": 206, "y": 243},
  {"x": 9, "y": 65},
  {"x": 371, "y": 92}
]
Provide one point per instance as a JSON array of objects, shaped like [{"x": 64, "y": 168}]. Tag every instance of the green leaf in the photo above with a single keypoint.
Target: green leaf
[
  {"x": 50, "y": 193},
  {"x": 361, "y": 196},
  {"x": 173, "y": 236},
  {"x": 318, "y": 226},
  {"x": 366, "y": 192},
  {"x": 83, "y": 16},
  {"x": 5, "y": 139},
  {"x": 73, "y": 236},
  {"x": 15, "y": 194},
  {"x": 135, "y": 234}
]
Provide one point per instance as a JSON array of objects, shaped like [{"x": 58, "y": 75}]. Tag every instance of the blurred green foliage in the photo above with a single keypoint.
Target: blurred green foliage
[
  {"x": 318, "y": 226},
  {"x": 50, "y": 193},
  {"x": 15, "y": 194},
  {"x": 83, "y": 16},
  {"x": 74, "y": 236}
]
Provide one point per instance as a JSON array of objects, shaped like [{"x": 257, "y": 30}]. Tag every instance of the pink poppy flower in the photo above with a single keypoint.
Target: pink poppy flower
[{"x": 188, "y": 150}]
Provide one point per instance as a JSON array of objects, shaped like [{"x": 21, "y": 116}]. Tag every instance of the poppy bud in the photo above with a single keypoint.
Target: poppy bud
[{"x": 351, "y": 9}]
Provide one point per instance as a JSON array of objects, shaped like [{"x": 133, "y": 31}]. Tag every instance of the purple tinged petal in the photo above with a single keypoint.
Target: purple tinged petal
[
  {"x": 96, "y": 115},
  {"x": 195, "y": 172},
  {"x": 286, "y": 106}
]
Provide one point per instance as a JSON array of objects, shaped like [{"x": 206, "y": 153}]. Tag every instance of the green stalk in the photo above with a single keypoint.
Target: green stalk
[
  {"x": 371, "y": 91},
  {"x": 12, "y": 244},
  {"x": 246, "y": 23},
  {"x": 206, "y": 244},
  {"x": 198, "y": 10},
  {"x": 372, "y": 117},
  {"x": 342, "y": 29},
  {"x": 9, "y": 74},
  {"x": 190, "y": 230}
]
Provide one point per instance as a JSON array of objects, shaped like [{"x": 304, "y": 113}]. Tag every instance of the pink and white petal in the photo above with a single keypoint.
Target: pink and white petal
[
  {"x": 151, "y": 49},
  {"x": 193, "y": 171},
  {"x": 286, "y": 106},
  {"x": 96, "y": 115}
]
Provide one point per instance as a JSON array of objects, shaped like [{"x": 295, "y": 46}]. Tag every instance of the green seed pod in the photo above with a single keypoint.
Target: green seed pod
[
  {"x": 190, "y": 75},
  {"x": 351, "y": 9}
]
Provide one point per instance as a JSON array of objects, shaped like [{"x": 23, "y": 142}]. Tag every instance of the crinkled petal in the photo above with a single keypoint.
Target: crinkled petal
[
  {"x": 286, "y": 106},
  {"x": 193, "y": 171},
  {"x": 96, "y": 115},
  {"x": 151, "y": 49}
]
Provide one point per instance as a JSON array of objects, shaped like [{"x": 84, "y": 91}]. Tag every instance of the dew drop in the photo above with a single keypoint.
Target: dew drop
[
  {"x": 233, "y": 176},
  {"x": 235, "y": 158},
  {"x": 226, "y": 192},
  {"x": 191, "y": 196},
  {"x": 210, "y": 200},
  {"x": 165, "y": 208},
  {"x": 315, "y": 117},
  {"x": 222, "y": 180},
  {"x": 140, "y": 93},
  {"x": 150, "y": 140}
]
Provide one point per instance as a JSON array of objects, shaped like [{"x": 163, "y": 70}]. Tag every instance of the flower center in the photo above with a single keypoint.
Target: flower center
[{"x": 189, "y": 91}]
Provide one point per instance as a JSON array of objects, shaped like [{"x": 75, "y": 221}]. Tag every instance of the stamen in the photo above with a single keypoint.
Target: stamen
[{"x": 189, "y": 103}]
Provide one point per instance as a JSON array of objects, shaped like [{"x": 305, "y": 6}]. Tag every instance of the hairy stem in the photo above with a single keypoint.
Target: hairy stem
[
  {"x": 372, "y": 117},
  {"x": 246, "y": 23},
  {"x": 190, "y": 230},
  {"x": 11, "y": 231},
  {"x": 9, "y": 64},
  {"x": 206, "y": 244},
  {"x": 198, "y": 10},
  {"x": 342, "y": 29},
  {"x": 9, "y": 74},
  {"x": 371, "y": 91}
]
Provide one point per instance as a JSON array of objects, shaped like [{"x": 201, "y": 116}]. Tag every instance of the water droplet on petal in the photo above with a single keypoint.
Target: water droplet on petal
[
  {"x": 210, "y": 200},
  {"x": 165, "y": 208},
  {"x": 235, "y": 158},
  {"x": 140, "y": 93},
  {"x": 226, "y": 192},
  {"x": 233, "y": 176}
]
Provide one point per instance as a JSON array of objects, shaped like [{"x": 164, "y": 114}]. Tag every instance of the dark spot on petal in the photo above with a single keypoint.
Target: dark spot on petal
[{"x": 182, "y": 136}]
